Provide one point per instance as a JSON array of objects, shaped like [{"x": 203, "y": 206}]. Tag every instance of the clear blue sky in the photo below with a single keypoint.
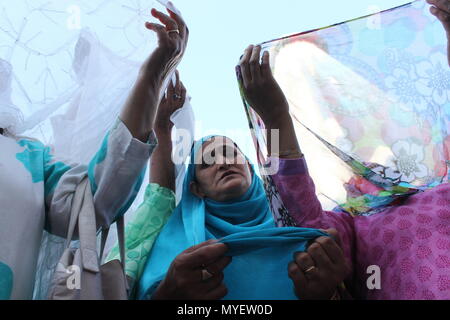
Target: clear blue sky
[{"x": 221, "y": 30}]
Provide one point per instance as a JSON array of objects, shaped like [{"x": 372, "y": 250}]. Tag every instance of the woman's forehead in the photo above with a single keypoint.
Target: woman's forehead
[{"x": 217, "y": 142}]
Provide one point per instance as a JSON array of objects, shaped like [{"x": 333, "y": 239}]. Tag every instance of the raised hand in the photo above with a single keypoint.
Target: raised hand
[
  {"x": 260, "y": 87},
  {"x": 268, "y": 100},
  {"x": 172, "y": 100},
  {"x": 441, "y": 9},
  {"x": 162, "y": 171},
  {"x": 141, "y": 106},
  {"x": 317, "y": 273},
  {"x": 173, "y": 36},
  {"x": 196, "y": 274}
]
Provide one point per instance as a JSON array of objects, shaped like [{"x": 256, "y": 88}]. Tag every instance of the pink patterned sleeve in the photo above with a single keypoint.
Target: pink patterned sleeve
[{"x": 298, "y": 192}]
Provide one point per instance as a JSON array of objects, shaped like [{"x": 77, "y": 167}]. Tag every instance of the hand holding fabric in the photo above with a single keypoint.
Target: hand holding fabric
[
  {"x": 172, "y": 100},
  {"x": 173, "y": 37},
  {"x": 266, "y": 97},
  {"x": 260, "y": 87},
  {"x": 196, "y": 274},
  {"x": 142, "y": 104},
  {"x": 317, "y": 273},
  {"x": 162, "y": 168},
  {"x": 441, "y": 9}
]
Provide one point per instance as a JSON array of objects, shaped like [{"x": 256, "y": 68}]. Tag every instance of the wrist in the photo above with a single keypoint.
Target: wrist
[
  {"x": 157, "y": 67},
  {"x": 279, "y": 121},
  {"x": 163, "y": 134},
  {"x": 152, "y": 71}
]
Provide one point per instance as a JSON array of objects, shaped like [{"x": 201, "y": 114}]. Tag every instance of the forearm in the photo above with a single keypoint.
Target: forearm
[
  {"x": 297, "y": 190},
  {"x": 140, "y": 108},
  {"x": 162, "y": 170},
  {"x": 286, "y": 145}
]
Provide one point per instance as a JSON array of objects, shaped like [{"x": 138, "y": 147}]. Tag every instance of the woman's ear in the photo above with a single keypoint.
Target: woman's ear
[{"x": 196, "y": 190}]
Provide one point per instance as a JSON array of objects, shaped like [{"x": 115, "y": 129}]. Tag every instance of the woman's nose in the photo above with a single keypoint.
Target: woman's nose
[{"x": 222, "y": 162}]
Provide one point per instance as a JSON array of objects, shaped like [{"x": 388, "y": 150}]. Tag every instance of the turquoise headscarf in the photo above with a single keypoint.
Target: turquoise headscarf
[{"x": 261, "y": 252}]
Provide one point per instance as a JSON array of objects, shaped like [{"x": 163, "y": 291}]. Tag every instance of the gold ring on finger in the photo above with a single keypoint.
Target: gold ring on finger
[
  {"x": 310, "y": 269},
  {"x": 206, "y": 274}
]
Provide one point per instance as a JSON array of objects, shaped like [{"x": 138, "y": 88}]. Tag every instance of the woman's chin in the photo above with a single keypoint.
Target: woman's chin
[{"x": 233, "y": 189}]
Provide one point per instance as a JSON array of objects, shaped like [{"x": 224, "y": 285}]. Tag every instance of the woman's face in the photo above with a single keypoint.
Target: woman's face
[{"x": 222, "y": 172}]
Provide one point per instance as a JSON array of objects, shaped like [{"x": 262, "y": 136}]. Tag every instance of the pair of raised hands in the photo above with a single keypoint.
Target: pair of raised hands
[{"x": 197, "y": 273}]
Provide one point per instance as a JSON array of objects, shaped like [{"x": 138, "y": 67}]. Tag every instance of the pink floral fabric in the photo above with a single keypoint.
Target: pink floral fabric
[{"x": 410, "y": 242}]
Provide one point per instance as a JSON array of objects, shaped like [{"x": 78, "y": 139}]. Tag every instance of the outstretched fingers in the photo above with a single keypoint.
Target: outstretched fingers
[
  {"x": 160, "y": 30},
  {"x": 167, "y": 21},
  {"x": 253, "y": 68}
]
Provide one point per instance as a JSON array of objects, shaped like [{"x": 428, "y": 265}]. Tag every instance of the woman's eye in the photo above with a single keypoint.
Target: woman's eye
[
  {"x": 230, "y": 152},
  {"x": 205, "y": 164}
]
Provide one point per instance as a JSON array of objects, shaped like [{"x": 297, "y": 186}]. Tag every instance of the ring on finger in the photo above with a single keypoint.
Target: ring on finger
[
  {"x": 206, "y": 275},
  {"x": 174, "y": 31},
  {"x": 310, "y": 269},
  {"x": 176, "y": 96}
]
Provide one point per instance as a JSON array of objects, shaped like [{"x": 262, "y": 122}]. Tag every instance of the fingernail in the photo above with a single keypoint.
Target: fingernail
[{"x": 433, "y": 10}]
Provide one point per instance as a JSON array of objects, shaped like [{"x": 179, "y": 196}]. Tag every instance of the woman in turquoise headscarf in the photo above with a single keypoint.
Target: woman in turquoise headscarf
[
  {"x": 222, "y": 199},
  {"x": 221, "y": 240}
]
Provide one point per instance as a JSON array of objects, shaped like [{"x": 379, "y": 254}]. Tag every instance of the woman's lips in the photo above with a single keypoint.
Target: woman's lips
[{"x": 228, "y": 174}]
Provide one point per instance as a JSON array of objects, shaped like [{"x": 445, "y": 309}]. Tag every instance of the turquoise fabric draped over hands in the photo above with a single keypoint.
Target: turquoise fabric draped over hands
[{"x": 260, "y": 251}]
